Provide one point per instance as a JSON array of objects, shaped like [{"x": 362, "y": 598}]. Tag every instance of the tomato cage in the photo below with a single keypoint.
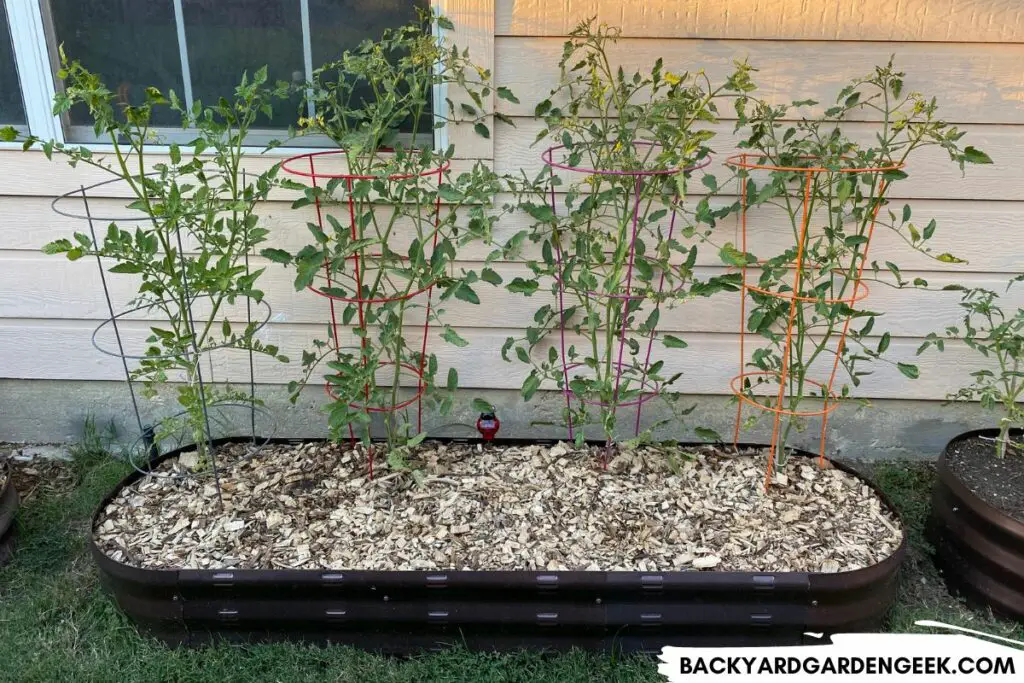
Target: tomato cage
[
  {"x": 126, "y": 329},
  {"x": 626, "y": 298},
  {"x": 798, "y": 295},
  {"x": 367, "y": 280}
]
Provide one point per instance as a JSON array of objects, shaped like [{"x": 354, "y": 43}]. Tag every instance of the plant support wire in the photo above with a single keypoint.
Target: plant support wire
[
  {"x": 624, "y": 297},
  {"x": 795, "y": 295},
  {"x": 305, "y": 166},
  {"x": 146, "y": 433}
]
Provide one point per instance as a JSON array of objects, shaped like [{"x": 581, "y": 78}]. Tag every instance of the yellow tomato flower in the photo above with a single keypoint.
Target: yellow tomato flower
[
  {"x": 672, "y": 79},
  {"x": 305, "y": 123}
]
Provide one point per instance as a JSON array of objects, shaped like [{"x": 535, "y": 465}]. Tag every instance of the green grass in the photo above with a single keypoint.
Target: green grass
[{"x": 57, "y": 625}]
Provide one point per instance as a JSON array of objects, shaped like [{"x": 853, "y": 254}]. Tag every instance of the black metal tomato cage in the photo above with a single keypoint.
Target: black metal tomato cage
[{"x": 146, "y": 433}]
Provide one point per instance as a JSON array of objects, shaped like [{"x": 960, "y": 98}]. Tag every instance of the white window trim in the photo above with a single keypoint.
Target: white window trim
[{"x": 31, "y": 53}]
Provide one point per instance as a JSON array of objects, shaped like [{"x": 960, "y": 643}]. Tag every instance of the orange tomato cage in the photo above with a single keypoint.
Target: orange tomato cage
[{"x": 797, "y": 293}]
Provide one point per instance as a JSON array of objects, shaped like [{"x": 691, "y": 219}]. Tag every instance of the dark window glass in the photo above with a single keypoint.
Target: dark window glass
[
  {"x": 339, "y": 25},
  {"x": 132, "y": 44},
  {"x": 12, "y": 110},
  {"x": 227, "y": 37}
]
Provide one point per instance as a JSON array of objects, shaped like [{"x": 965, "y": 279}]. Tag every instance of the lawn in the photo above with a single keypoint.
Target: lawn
[{"x": 56, "y": 624}]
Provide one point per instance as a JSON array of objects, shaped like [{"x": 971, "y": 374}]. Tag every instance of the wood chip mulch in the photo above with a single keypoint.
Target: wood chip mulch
[{"x": 655, "y": 508}]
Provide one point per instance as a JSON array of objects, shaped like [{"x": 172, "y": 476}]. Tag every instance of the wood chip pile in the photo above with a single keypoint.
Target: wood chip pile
[{"x": 311, "y": 506}]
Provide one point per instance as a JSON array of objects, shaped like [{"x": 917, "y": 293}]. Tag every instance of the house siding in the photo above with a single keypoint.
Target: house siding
[{"x": 968, "y": 53}]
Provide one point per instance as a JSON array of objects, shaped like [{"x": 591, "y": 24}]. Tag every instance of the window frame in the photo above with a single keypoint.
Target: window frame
[{"x": 474, "y": 28}]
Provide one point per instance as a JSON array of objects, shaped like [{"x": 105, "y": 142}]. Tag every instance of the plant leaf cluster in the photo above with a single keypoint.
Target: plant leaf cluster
[
  {"x": 618, "y": 237},
  {"x": 390, "y": 227},
  {"x": 188, "y": 250},
  {"x": 997, "y": 335},
  {"x": 841, "y": 203}
]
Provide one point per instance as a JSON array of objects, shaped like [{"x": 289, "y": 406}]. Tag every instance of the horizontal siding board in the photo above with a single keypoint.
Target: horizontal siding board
[
  {"x": 31, "y": 174},
  {"x": 40, "y": 288},
  {"x": 987, "y": 21},
  {"x": 61, "y": 351},
  {"x": 932, "y": 174},
  {"x": 974, "y": 83},
  {"x": 971, "y": 230}
]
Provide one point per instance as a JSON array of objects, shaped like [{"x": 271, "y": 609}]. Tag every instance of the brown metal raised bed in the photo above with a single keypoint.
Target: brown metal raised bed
[
  {"x": 407, "y": 611},
  {"x": 979, "y": 548},
  {"x": 8, "y": 508}
]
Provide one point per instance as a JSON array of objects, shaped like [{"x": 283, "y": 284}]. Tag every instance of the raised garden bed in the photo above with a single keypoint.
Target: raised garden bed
[
  {"x": 8, "y": 507},
  {"x": 978, "y": 522},
  {"x": 457, "y": 577}
]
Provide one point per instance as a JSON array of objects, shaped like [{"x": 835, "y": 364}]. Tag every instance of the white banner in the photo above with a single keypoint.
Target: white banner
[{"x": 855, "y": 658}]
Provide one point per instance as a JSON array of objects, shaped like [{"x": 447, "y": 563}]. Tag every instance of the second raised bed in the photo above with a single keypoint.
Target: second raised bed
[
  {"x": 8, "y": 508},
  {"x": 979, "y": 547}
]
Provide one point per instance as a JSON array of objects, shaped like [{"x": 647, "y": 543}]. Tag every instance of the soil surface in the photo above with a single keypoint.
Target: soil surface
[
  {"x": 655, "y": 508},
  {"x": 997, "y": 481}
]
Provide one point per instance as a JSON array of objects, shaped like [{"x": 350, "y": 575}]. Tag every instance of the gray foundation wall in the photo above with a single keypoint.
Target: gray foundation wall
[{"x": 38, "y": 411}]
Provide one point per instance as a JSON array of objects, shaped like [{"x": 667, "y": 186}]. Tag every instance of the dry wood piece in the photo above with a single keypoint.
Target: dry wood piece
[{"x": 311, "y": 506}]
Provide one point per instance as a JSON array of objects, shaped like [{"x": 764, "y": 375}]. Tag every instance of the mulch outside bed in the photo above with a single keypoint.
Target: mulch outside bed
[{"x": 655, "y": 508}]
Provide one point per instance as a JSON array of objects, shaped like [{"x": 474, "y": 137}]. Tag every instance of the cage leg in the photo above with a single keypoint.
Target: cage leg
[
  {"x": 743, "y": 307},
  {"x": 248, "y": 325},
  {"x": 624, "y": 306},
  {"x": 846, "y": 324},
  {"x": 421, "y": 384},
  {"x": 556, "y": 239},
  {"x": 357, "y": 265},
  {"x": 650, "y": 338},
  {"x": 143, "y": 431},
  {"x": 793, "y": 306}
]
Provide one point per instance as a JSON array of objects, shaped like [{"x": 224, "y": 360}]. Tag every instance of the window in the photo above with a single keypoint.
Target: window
[
  {"x": 12, "y": 109},
  {"x": 199, "y": 48}
]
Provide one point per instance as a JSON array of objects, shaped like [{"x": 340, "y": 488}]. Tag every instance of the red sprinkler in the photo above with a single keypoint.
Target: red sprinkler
[{"x": 488, "y": 424}]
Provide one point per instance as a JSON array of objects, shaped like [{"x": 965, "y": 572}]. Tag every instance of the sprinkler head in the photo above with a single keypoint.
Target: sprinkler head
[{"x": 488, "y": 424}]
